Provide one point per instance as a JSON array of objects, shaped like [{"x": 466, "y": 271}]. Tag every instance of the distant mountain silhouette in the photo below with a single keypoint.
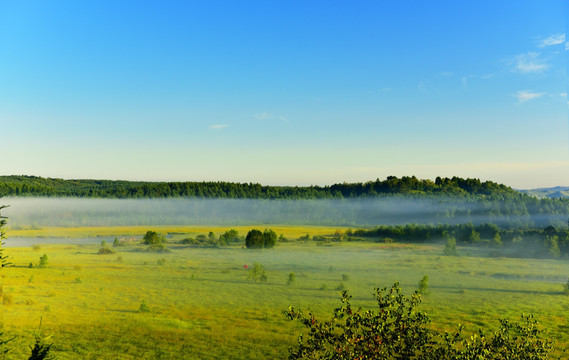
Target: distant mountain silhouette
[{"x": 552, "y": 192}]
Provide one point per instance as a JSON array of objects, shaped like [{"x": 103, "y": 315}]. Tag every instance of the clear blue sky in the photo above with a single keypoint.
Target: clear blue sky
[{"x": 285, "y": 92}]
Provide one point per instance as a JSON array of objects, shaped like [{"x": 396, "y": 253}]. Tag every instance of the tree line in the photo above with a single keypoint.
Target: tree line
[
  {"x": 520, "y": 242},
  {"x": 38, "y": 186}
]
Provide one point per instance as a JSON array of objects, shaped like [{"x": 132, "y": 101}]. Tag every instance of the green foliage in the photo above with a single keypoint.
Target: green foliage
[
  {"x": 257, "y": 273},
  {"x": 4, "y": 349},
  {"x": 254, "y": 239},
  {"x": 105, "y": 251},
  {"x": 566, "y": 288},
  {"x": 43, "y": 261},
  {"x": 228, "y": 237},
  {"x": 345, "y": 277},
  {"x": 269, "y": 238},
  {"x": 399, "y": 330},
  {"x": 41, "y": 350},
  {"x": 103, "y": 243},
  {"x": 497, "y": 239},
  {"x": 450, "y": 247},
  {"x": 291, "y": 279},
  {"x": 474, "y": 237},
  {"x": 424, "y": 285},
  {"x": 153, "y": 238},
  {"x": 143, "y": 307},
  {"x": 116, "y": 243},
  {"x": 396, "y": 331}
]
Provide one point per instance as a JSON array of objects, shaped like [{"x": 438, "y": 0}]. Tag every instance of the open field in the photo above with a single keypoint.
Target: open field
[{"x": 202, "y": 304}]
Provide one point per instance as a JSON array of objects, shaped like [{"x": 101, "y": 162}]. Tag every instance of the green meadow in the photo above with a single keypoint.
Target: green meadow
[{"x": 201, "y": 303}]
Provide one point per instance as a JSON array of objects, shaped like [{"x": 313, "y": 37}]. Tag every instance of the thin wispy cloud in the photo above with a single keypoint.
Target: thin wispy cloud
[
  {"x": 528, "y": 63},
  {"x": 218, "y": 126},
  {"x": 555, "y": 39},
  {"x": 527, "y": 95},
  {"x": 269, "y": 116},
  {"x": 446, "y": 74}
]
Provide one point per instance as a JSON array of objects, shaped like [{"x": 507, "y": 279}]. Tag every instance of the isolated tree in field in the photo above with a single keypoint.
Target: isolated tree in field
[
  {"x": 254, "y": 239},
  {"x": 153, "y": 238},
  {"x": 450, "y": 246},
  {"x": 257, "y": 273},
  {"x": 497, "y": 239},
  {"x": 566, "y": 288},
  {"x": 269, "y": 238},
  {"x": 43, "y": 261}
]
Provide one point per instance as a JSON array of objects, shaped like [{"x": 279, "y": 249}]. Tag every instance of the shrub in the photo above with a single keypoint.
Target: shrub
[
  {"x": 424, "y": 285},
  {"x": 291, "y": 278},
  {"x": 105, "y": 251},
  {"x": 159, "y": 248},
  {"x": 116, "y": 243},
  {"x": 400, "y": 331},
  {"x": 43, "y": 261},
  {"x": 257, "y": 273},
  {"x": 566, "y": 288},
  {"x": 345, "y": 277},
  {"x": 230, "y": 236},
  {"x": 143, "y": 307},
  {"x": 450, "y": 247}
]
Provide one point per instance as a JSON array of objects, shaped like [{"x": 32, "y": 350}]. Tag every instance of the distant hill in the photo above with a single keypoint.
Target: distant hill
[{"x": 553, "y": 192}]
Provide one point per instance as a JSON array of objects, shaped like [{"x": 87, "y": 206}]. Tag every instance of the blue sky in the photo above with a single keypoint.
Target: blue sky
[{"x": 285, "y": 92}]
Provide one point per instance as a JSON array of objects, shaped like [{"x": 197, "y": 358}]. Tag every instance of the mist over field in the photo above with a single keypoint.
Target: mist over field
[{"x": 23, "y": 212}]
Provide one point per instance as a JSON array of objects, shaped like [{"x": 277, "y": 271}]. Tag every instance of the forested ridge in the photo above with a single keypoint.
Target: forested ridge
[
  {"x": 390, "y": 201},
  {"x": 23, "y": 185}
]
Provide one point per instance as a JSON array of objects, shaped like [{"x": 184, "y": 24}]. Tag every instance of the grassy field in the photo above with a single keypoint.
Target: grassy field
[{"x": 202, "y": 304}]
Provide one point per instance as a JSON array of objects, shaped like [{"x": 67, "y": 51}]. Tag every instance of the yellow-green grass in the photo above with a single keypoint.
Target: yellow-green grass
[{"x": 203, "y": 306}]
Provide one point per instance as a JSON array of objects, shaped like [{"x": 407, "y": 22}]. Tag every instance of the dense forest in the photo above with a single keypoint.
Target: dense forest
[
  {"x": 38, "y": 186},
  {"x": 389, "y": 202}
]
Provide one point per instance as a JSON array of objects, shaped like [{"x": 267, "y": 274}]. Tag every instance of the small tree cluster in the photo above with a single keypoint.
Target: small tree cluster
[
  {"x": 154, "y": 241},
  {"x": 153, "y": 238},
  {"x": 257, "y": 240},
  {"x": 228, "y": 237}
]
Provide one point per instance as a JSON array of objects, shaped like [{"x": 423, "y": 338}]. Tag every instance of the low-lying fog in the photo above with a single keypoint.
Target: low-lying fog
[{"x": 192, "y": 211}]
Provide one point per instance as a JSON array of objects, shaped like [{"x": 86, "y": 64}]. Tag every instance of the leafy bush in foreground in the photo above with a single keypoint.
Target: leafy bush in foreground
[{"x": 398, "y": 330}]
